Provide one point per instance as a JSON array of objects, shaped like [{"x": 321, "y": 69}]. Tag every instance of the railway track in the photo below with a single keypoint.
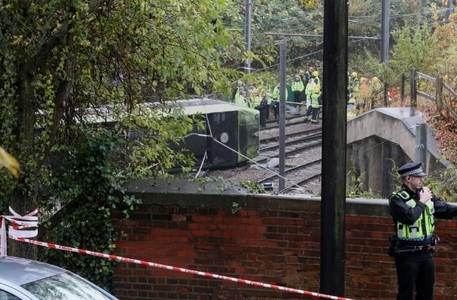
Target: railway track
[
  {"x": 303, "y": 156},
  {"x": 295, "y": 143},
  {"x": 302, "y": 175},
  {"x": 290, "y": 120}
]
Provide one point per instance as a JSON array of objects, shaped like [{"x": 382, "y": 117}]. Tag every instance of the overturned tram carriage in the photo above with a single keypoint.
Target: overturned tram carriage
[{"x": 230, "y": 136}]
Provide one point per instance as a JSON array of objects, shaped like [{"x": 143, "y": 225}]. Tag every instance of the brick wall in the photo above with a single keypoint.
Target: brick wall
[{"x": 271, "y": 240}]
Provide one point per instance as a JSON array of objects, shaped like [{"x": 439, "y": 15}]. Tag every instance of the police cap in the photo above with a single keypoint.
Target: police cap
[{"x": 411, "y": 169}]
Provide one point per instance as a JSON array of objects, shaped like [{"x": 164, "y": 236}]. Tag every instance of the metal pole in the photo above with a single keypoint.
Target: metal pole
[
  {"x": 333, "y": 204},
  {"x": 282, "y": 114},
  {"x": 247, "y": 33},
  {"x": 385, "y": 29},
  {"x": 247, "y": 38}
]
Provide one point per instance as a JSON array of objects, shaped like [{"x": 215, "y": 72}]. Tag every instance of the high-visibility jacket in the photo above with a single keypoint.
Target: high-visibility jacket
[
  {"x": 298, "y": 86},
  {"x": 316, "y": 80},
  {"x": 310, "y": 89},
  {"x": 354, "y": 84},
  {"x": 423, "y": 227},
  {"x": 351, "y": 112},
  {"x": 276, "y": 92},
  {"x": 306, "y": 77},
  {"x": 241, "y": 100},
  {"x": 256, "y": 100},
  {"x": 316, "y": 100}
]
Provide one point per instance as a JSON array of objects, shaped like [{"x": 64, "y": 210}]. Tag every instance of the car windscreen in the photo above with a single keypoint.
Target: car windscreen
[{"x": 63, "y": 286}]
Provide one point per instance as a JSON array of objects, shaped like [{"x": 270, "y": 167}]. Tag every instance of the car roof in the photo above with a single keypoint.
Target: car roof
[{"x": 22, "y": 271}]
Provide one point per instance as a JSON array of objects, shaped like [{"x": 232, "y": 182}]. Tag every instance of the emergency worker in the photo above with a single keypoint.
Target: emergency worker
[
  {"x": 315, "y": 78},
  {"x": 255, "y": 98},
  {"x": 236, "y": 90},
  {"x": 275, "y": 100},
  {"x": 353, "y": 84},
  {"x": 241, "y": 100},
  {"x": 413, "y": 208},
  {"x": 309, "y": 91},
  {"x": 298, "y": 88},
  {"x": 307, "y": 76},
  {"x": 316, "y": 103},
  {"x": 302, "y": 76},
  {"x": 351, "y": 108},
  {"x": 265, "y": 91},
  {"x": 262, "y": 107}
]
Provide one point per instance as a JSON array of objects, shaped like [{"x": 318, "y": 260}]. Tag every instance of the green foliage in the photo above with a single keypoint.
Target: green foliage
[
  {"x": 235, "y": 208},
  {"x": 414, "y": 48},
  {"x": 61, "y": 61},
  {"x": 87, "y": 178},
  {"x": 253, "y": 186},
  {"x": 355, "y": 188},
  {"x": 223, "y": 184},
  {"x": 288, "y": 16},
  {"x": 443, "y": 183}
]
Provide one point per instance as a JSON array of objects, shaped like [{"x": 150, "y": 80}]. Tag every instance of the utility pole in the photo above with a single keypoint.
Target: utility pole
[
  {"x": 385, "y": 31},
  {"x": 247, "y": 33},
  {"x": 282, "y": 115},
  {"x": 334, "y": 122}
]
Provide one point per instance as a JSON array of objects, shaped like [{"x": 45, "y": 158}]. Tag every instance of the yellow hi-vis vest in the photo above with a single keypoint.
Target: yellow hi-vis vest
[
  {"x": 298, "y": 86},
  {"x": 424, "y": 225}
]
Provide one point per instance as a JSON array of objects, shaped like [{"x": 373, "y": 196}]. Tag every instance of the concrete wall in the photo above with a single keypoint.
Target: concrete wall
[
  {"x": 274, "y": 240},
  {"x": 383, "y": 139}
]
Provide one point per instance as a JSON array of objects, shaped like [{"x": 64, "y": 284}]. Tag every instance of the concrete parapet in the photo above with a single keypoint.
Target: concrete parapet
[{"x": 384, "y": 138}]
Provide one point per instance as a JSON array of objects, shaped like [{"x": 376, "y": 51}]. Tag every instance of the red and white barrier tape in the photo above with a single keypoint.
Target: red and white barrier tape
[
  {"x": 21, "y": 232},
  {"x": 20, "y": 227},
  {"x": 177, "y": 269}
]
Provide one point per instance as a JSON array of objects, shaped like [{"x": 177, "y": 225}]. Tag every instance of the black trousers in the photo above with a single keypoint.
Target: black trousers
[
  {"x": 315, "y": 114},
  {"x": 415, "y": 273},
  {"x": 298, "y": 96},
  {"x": 263, "y": 113}
]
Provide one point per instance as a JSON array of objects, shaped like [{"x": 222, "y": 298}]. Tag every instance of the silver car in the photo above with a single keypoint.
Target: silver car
[{"x": 22, "y": 278}]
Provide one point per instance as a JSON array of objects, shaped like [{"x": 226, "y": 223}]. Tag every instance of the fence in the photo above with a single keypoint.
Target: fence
[{"x": 428, "y": 87}]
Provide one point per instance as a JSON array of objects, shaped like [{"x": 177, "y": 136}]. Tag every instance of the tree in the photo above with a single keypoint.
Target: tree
[{"x": 63, "y": 59}]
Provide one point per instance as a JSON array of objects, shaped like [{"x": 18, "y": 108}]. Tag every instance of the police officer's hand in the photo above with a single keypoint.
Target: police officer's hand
[{"x": 425, "y": 195}]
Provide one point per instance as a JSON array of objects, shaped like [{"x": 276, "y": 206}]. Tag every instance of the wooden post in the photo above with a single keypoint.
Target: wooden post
[
  {"x": 438, "y": 92},
  {"x": 386, "y": 94},
  {"x": 334, "y": 122},
  {"x": 413, "y": 94},
  {"x": 402, "y": 89}
]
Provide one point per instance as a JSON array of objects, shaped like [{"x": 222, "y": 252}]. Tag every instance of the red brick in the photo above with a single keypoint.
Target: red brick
[{"x": 277, "y": 246}]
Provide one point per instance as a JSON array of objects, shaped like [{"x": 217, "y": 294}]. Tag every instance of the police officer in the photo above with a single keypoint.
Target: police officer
[{"x": 413, "y": 209}]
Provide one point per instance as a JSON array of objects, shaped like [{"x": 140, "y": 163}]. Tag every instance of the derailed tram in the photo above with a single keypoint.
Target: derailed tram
[{"x": 229, "y": 137}]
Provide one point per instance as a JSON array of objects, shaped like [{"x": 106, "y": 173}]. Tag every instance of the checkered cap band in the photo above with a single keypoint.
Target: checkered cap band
[{"x": 412, "y": 172}]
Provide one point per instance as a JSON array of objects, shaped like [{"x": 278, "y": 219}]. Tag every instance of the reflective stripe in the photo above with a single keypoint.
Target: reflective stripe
[{"x": 424, "y": 225}]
